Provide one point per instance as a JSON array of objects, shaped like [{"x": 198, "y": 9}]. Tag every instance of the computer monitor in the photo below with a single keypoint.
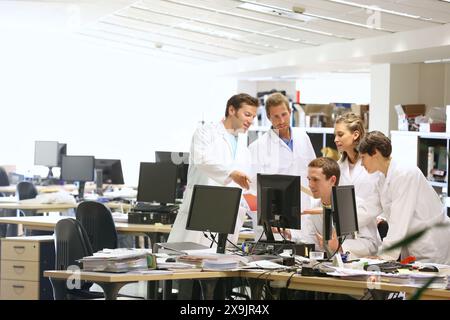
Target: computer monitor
[
  {"x": 278, "y": 202},
  {"x": 344, "y": 212},
  {"x": 49, "y": 154},
  {"x": 78, "y": 168},
  {"x": 181, "y": 159},
  {"x": 111, "y": 170},
  {"x": 157, "y": 182},
  {"x": 214, "y": 209}
]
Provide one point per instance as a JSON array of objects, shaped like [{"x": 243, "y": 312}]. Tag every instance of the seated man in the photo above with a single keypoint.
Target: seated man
[{"x": 323, "y": 174}]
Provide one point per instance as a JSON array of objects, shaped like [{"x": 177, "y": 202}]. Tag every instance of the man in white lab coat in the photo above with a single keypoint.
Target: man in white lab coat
[
  {"x": 282, "y": 149},
  {"x": 323, "y": 174},
  {"x": 408, "y": 202},
  {"x": 218, "y": 157}
]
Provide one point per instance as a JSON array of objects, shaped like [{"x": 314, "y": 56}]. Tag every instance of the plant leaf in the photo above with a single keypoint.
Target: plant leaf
[{"x": 420, "y": 291}]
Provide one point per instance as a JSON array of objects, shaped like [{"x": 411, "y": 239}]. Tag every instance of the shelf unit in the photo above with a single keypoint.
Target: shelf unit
[{"x": 412, "y": 148}]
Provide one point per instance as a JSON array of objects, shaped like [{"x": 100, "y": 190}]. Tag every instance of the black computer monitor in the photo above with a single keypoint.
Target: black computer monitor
[
  {"x": 111, "y": 170},
  {"x": 214, "y": 209},
  {"x": 157, "y": 182},
  {"x": 78, "y": 168},
  {"x": 343, "y": 212},
  {"x": 49, "y": 154},
  {"x": 181, "y": 159},
  {"x": 278, "y": 202}
]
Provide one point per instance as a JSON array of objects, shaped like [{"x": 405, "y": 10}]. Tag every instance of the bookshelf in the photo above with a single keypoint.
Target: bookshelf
[{"x": 428, "y": 151}]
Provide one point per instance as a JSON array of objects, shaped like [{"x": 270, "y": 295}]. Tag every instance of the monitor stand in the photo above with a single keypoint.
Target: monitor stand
[
  {"x": 221, "y": 242},
  {"x": 81, "y": 185}
]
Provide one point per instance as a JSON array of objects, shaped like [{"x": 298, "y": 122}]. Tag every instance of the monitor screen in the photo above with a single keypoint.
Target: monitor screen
[
  {"x": 62, "y": 151},
  {"x": 278, "y": 202},
  {"x": 181, "y": 159},
  {"x": 345, "y": 215},
  {"x": 111, "y": 170},
  {"x": 172, "y": 156},
  {"x": 46, "y": 153},
  {"x": 77, "y": 168},
  {"x": 214, "y": 209},
  {"x": 157, "y": 182}
]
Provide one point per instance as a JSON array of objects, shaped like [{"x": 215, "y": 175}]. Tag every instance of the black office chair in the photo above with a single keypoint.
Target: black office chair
[
  {"x": 98, "y": 222},
  {"x": 71, "y": 244},
  {"x": 4, "y": 180},
  {"x": 383, "y": 228},
  {"x": 26, "y": 190}
]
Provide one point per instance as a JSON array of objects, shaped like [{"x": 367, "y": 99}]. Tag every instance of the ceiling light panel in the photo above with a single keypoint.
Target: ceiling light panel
[
  {"x": 194, "y": 37},
  {"x": 181, "y": 29},
  {"x": 172, "y": 41},
  {"x": 142, "y": 42},
  {"x": 421, "y": 10}
]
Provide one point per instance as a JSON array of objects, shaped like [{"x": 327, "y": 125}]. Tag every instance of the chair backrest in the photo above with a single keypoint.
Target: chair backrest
[
  {"x": 98, "y": 222},
  {"x": 71, "y": 243},
  {"x": 26, "y": 190},
  {"x": 4, "y": 180},
  {"x": 383, "y": 228}
]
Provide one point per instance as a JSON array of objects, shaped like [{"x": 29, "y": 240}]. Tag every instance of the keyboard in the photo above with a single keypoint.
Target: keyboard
[
  {"x": 147, "y": 207},
  {"x": 387, "y": 267}
]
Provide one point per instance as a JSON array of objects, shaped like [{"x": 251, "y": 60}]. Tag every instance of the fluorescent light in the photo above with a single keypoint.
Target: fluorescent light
[
  {"x": 438, "y": 60},
  {"x": 166, "y": 13},
  {"x": 305, "y": 16},
  {"x": 376, "y": 8}
]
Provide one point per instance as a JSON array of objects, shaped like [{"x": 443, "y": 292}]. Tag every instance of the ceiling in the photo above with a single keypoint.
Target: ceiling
[
  {"x": 204, "y": 31},
  {"x": 249, "y": 38}
]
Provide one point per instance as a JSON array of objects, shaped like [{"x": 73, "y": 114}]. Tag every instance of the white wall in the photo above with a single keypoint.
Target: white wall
[
  {"x": 339, "y": 87},
  {"x": 100, "y": 101}
]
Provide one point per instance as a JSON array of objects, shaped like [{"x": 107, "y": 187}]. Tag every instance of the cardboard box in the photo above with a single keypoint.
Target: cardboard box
[{"x": 414, "y": 110}]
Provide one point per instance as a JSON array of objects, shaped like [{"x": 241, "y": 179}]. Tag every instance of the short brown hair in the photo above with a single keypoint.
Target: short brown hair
[
  {"x": 275, "y": 99},
  {"x": 329, "y": 167},
  {"x": 353, "y": 123},
  {"x": 238, "y": 99},
  {"x": 376, "y": 140}
]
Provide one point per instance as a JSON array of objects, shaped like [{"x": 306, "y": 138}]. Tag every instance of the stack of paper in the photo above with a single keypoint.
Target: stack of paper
[{"x": 117, "y": 260}]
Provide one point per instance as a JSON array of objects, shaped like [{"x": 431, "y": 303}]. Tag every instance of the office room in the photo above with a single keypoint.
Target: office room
[{"x": 225, "y": 150}]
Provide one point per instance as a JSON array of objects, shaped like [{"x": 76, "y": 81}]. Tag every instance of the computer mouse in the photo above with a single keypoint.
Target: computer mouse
[
  {"x": 170, "y": 260},
  {"x": 429, "y": 269}
]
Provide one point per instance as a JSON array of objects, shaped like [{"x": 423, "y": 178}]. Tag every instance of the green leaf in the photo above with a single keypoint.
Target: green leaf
[
  {"x": 420, "y": 291},
  {"x": 413, "y": 237}
]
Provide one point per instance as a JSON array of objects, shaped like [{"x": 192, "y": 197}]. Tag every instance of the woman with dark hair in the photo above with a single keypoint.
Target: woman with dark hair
[{"x": 408, "y": 203}]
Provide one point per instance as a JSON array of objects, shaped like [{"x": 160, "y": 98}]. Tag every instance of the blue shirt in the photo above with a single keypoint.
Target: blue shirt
[
  {"x": 232, "y": 139},
  {"x": 289, "y": 142}
]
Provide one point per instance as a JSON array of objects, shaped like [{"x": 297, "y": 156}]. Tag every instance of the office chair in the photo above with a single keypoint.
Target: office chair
[
  {"x": 26, "y": 190},
  {"x": 98, "y": 222},
  {"x": 7, "y": 230},
  {"x": 4, "y": 180},
  {"x": 383, "y": 228},
  {"x": 71, "y": 244}
]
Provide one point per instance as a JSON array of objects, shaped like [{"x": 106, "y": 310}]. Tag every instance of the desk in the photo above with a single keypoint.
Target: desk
[
  {"x": 112, "y": 282},
  {"x": 46, "y": 207},
  {"x": 49, "y": 223}
]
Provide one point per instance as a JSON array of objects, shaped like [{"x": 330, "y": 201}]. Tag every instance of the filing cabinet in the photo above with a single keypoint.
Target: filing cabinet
[{"x": 23, "y": 261}]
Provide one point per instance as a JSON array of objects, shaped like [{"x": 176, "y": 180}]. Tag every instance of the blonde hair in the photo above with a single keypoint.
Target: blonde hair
[
  {"x": 274, "y": 100},
  {"x": 353, "y": 123}
]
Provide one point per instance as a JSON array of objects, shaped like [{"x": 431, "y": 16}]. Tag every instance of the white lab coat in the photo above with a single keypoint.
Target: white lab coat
[
  {"x": 365, "y": 184},
  {"x": 359, "y": 177},
  {"x": 271, "y": 155},
  {"x": 410, "y": 204},
  {"x": 210, "y": 163},
  {"x": 367, "y": 241}
]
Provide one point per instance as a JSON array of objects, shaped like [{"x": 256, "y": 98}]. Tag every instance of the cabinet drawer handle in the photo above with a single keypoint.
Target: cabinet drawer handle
[
  {"x": 19, "y": 249},
  {"x": 19, "y": 267},
  {"x": 16, "y": 286}
]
